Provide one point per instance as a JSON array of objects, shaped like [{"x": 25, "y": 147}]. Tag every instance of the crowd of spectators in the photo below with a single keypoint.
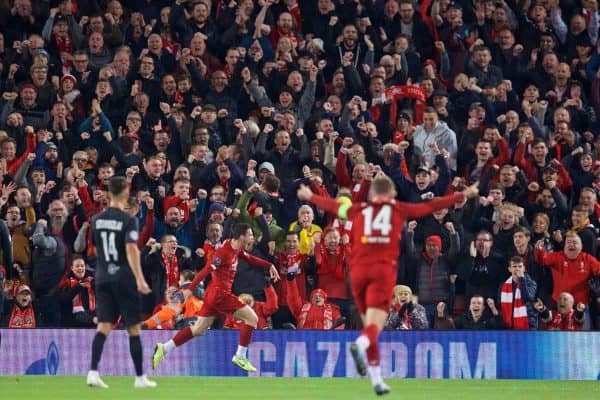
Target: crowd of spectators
[{"x": 217, "y": 111}]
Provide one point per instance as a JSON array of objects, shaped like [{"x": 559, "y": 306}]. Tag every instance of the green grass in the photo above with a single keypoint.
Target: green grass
[{"x": 188, "y": 388}]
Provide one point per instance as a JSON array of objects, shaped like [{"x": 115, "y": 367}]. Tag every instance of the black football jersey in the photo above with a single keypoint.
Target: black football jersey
[{"x": 111, "y": 231}]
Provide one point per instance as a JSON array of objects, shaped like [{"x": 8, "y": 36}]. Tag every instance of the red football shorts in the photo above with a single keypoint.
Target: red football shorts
[
  {"x": 372, "y": 287},
  {"x": 218, "y": 301}
]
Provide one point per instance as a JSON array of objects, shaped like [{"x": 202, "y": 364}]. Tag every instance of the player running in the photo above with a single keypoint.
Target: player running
[
  {"x": 219, "y": 300},
  {"x": 119, "y": 280},
  {"x": 376, "y": 230}
]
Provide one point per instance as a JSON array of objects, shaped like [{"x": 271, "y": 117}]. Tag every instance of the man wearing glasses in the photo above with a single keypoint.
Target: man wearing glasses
[{"x": 485, "y": 268}]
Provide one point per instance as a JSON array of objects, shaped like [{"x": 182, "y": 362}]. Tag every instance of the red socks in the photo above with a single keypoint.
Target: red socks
[
  {"x": 183, "y": 336},
  {"x": 372, "y": 332},
  {"x": 246, "y": 334}
]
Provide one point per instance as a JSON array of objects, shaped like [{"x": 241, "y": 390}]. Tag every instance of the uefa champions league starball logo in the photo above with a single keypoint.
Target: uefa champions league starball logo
[{"x": 48, "y": 365}]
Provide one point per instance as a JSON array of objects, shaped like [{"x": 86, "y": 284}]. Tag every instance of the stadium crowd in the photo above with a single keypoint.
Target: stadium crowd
[{"x": 217, "y": 111}]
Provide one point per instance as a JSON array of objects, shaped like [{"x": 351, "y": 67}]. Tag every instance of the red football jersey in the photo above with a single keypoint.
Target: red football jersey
[
  {"x": 223, "y": 266},
  {"x": 376, "y": 231}
]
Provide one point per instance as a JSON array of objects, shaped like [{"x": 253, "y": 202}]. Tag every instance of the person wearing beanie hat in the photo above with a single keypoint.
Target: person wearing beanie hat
[
  {"x": 217, "y": 207},
  {"x": 68, "y": 77},
  {"x": 267, "y": 166},
  {"x": 434, "y": 240},
  {"x": 27, "y": 86},
  {"x": 433, "y": 275},
  {"x": 316, "y": 314},
  {"x": 71, "y": 96}
]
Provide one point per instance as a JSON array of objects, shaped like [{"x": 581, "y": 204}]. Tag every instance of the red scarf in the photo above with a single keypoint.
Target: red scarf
[
  {"x": 399, "y": 92},
  {"x": 325, "y": 323},
  {"x": 224, "y": 183},
  {"x": 78, "y": 299},
  {"x": 179, "y": 99},
  {"x": 172, "y": 269},
  {"x": 513, "y": 315},
  {"x": 287, "y": 260},
  {"x": 65, "y": 45},
  {"x": 22, "y": 318},
  {"x": 565, "y": 322}
]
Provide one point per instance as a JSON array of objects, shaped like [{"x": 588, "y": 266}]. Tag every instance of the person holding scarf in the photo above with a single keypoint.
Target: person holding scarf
[
  {"x": 291, "y": 260},
  {"x": 516, "y": 297},
  {"x": 77, "y": 290},
  {"x": 406, "y": 313},
  {"x": 316, "y": 314}
]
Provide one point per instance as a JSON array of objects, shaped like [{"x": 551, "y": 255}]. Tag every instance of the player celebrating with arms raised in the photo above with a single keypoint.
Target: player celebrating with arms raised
[
  {"x": 218, "y": 298},
  {"x": 119, "y": 280},
  {"x": 376, "y": 230}
]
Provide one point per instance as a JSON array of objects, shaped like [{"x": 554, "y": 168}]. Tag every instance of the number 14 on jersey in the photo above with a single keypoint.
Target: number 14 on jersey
[{"x": 376, "y": 228}]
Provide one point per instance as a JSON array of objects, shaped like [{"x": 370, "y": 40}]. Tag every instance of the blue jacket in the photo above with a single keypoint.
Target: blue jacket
[
  {"x": 183, "y": 233},
  {"x": 528, "y": 290}
]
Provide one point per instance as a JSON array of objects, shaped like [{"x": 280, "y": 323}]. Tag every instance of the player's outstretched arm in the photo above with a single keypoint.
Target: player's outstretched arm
[
  {"x": 200, "y": 276},
  {"x": 418, "y": 210},
  {"x": 133, "y": 257},
  {"x": 324, "y": 203},
  {"x": 259, "y": 262}
]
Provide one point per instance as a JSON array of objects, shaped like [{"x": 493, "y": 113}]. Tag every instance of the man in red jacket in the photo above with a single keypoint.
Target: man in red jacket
[
  {"x": 316, "y": 314},
  {"x": 332, "y": 268},
  {"x": 571, "y": 268}
]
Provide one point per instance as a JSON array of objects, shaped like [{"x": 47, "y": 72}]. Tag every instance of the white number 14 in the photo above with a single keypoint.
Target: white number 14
[
  {"x": 381, "y": 223},
  {"x": 108, "y": 246}
]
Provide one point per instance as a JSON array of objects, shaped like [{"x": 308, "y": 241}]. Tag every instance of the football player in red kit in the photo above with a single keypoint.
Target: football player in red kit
[
  {"x": 376, "y": 230},
  {"x": 219, "y": 300}
]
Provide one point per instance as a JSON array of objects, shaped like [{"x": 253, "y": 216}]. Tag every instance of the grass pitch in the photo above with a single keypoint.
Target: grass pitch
[{"x": 181, "y": 388}]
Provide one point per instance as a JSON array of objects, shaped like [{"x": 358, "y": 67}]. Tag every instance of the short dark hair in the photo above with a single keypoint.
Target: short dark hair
[
  {"x": 271, "y": 183},
  {"x": 523, "y": 230},
  {"x": 516, "y": 260},
  {"x": 239, "y": 230},
  {"x": 117, "y": 185},
  {"x": 126, "y": 144}
]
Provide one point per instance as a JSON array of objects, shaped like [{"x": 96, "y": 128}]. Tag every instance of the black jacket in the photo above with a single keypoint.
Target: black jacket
[
  {"x": 486, "y": 322},
  {"x": 155, "y": 274},
  {"x": 48, "y": 261}
]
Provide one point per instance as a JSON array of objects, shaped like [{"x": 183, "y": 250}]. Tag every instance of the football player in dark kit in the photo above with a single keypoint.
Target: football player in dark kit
[{"x": 119, "y": 280}]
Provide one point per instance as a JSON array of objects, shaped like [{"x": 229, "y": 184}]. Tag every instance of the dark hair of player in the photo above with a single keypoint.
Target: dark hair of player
[
  {"x": 239, "y": 230},
  {"x": 117, "y": 185}
]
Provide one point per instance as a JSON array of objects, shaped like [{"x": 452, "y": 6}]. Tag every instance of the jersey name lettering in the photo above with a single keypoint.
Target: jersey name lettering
[{"x": 109, "y": 224}]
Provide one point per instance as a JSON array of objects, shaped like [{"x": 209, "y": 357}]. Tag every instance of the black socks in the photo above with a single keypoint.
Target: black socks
[
  {"x": 97, "y": 346},
  {"x": 135, "y": 348}
]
